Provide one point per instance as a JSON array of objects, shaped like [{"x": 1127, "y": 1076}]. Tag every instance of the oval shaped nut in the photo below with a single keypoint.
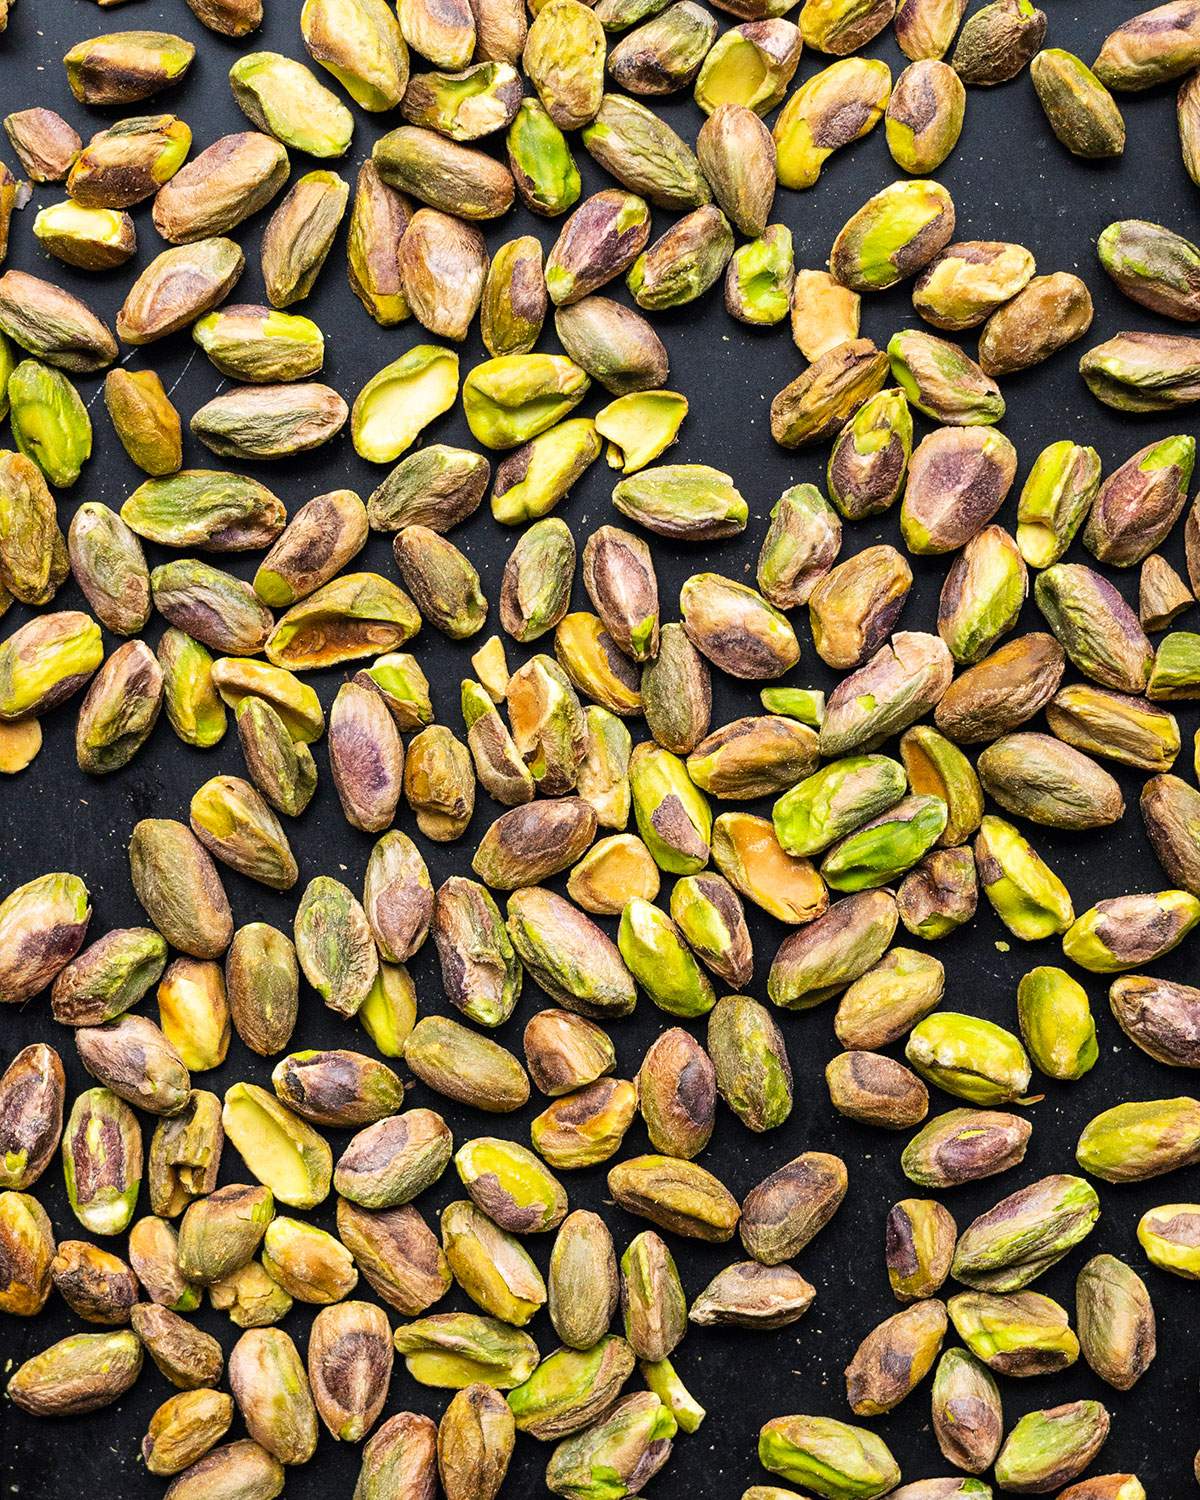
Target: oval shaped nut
[
  {"x": 455, "y": 1061},
  {"x": 42, "y": 927},
  {"x": 149, "y": 429},
  {"x": 92, "y": 239},
  {"x": 221, "y": 1233},
  {"x": 32, "y": 1087},
  {"x": 540, "y": 160},
  {"x": 235, "y": 824},
  {"x": 235, "y": 177},
  {"x": 126, "y": 66},
  {"x": 839, "y": 105},
  {"x": 1038, "y": 777},
  {"x": 354, "y": 615},
  {"x": 583, "y": 1285},
  {"x": 925, "y": 28},
  {"x": 184, "y": 1428},
  {"x": 378, "y": 220},
  {"x": 1151, "y": 47},
  {"x": 894, "y": 235},
  {"x": 876, "y": 1090},
  {"x": 895, "y": 1357},
  {"x": 968, "y": 1420},
  {"x": 600, "y": 241},
  {"x": 1160, "y": 1016},
  {"x": 760, "y": 278},
  {"x": 513, "y": 305},
  {"x": 707, "y": 910},
  {"x": 792, "y": 1205},
  {"x": 366, "y": 756},
  {"x": 676, "y": 691},
  {"x": 964, "y": 1145},
  {"x": 397, "y": 1253},
  {"x": 53, "y": 325},
  {"x": 270, "y": 421},
  {"x": 177, "y": 883},
  {"x": 466, "y": 105},
  {"x": 1025, "y": 893},
  {"x": 49, "y": 422},
  {"x": 128, "y": 162},
  {"x": 398, "y": 897},
  {"x": 318, "y": 541},
  {"x": 437, "y": 486},
  {"x": 676, "y": 1195},
  {"x": 45, "y": 661},
  {"x": 475, "y": 1443},
  {"x": 595, "y": 665},
  {"x": 612, "y": 870},
  {"x": 749, "y": 1295},
  {"x": 439, "y": 783},
  {"x": 455, "y": 1350},
  {"x": 401, "y": 1455},
  {"x": 1051, "y": 312},
  {"x": 661, "y": 962},
  {"x": 888, "y": 999},
  {"x": 491, "y": 1265},
  {"x": 133, "y": 1058},
  {"x": 1168, "y": 1236},
  {"x": 1139, "y": 371},
  {"x": 183, "y": 1354},
  {"x": 814, "y": 406},
  {"x": 231, "y": 1472},
  {"x": 899, "y": 684},
  {"x": 1049, "y": 1447},
  {"x": 924, "y": 116},
  {"x": 1116, "y": 1321},
  {"x": 44, "y": 143},
  {"x": 394, "y": 1160},
  {"x": 997, "y": 41},
  {"x": 833, "y": 951},
  {"x": 28, "y": 1251},
  {"x": 334, "y": 944},
  {"x": 179, "y": 286},
  {"x": 1081, "y": 111},
  {"x": 283, "y": 98},
  {"x": 832, "y": 26},
  {"x": 854, "y": 607},
  {"x": 736, "y": 628},
  {"x": 1055, "y": 500},
  {"x": 1021, "y": 1334},
  {"x": 81, "y": 1373},
  {"x": 920, "y": 1236},
  {"x": 1026, "y": 1233},
  {"x": 947, "y": 385},
  {"x": 1126, "y": 932},
  {"x": 800, "y": 547},
  {"x": 565, "y": 1051},
  {"x": 219, "y": 610},
  {"x": 360, "y": 43},
  {"x": 802, "y": 1448},
  {"x": 737, "y": 154},
  {"x": 886, "y": 846},
  {"x": 32, "y": 565},
  {"x": 337, "y": 1087},
  {"x": 618, "y": 573},
  {"x": 645, "y": 155},
  {"x": 970, "y": 1057},
  {"x": 443, "y": 267},
  {"x": 1139, "y": 503},
  {"x": 349, "y": 1367},
  {"x": 1137, "y": 1140},
  {"x": 282, "y": 768},
  {"x": 690, "y": 501},
  {"x": 512, "y": 399},
  {"x": 564, "y": 60},
  {"x": 676, "y": 1094},
  {"x": 1002, "y": 691},
  {"x": 970, "y": 280},
  {"x": 310, "y": 1264},
  {"x": 751, "y": 1064},
  {"x": 284, "y": 1153},
  {"x": 958, "y": 479},
  {"x": 272, "y": 1392},
  {"x": 459, "y": 180},
  {"x": 261, "y": 345},
  {"x": 748, "y": 854},
  {"x": 208, "y": 508},
  {"x": 480, "y": 971},
  {"x": 869, "y": 461},
  {"x": 1153, "y": 266},
  {"x": 586, "y": 1127}
]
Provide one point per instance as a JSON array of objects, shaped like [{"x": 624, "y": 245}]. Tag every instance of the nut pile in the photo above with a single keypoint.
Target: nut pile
[{"x": 886, "y": 804}]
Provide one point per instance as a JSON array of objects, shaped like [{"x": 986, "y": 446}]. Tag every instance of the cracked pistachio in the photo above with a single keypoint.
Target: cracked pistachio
[
  {"x": 102, "y": 1161},
  {"x": 532, "y": 481},
  {"x": 603, "y": 776},
  {"x": 1162, "y": 594},
  {"x": 439, "y": 783},
  {"x": 514, "y": 398},
  {"x": 750, "y": 64},
  {"x": 282, "y": 1152},
  {"x": 824, "y": 313},
  {"x": 548, "y": 727},
  {"x": 841, "y": 104},
  {"x": 93, "y": 239},
  {"x": 466, "y": 105},
  {"x": 760, "y": 277},
  {"x": 611, "y": 871},
  {"x": 354, "y": 615},
  {"x": 939, "y": 894},
  {"x": 587, "y": 1127},
  {"x": 748, "y": 853},
  {"x": 185, "y": 1154},
  {"x": 398, "y": 679}
]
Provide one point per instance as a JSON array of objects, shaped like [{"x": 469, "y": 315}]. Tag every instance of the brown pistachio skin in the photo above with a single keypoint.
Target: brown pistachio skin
[
  {"x": 1003, "y": 691},
  {"x": 895, "y": 1357},
  {"x": 789, "y": 1207},
  {"x": 1171, "y": 810},
  {"x": 677, "y": 1094},
  {"x": 876, "y": 1090},
  {"x": 32, "y": 1089},
  {"x": 1161, "y": 1016}
]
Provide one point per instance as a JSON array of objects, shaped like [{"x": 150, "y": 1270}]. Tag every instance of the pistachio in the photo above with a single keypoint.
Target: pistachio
[
  {"x": 283, "y": 1152},
  {"x": 751, "y": 64},
  {"x": 760, "y": 278},
  {"x": 842, "y": 1461},
  {"x": 1116, "y": 1321},
  {"x": 924, "y": 115},
  {"x": 1149, "y": 48},
  {"x": 475, "y": 1444},
  {"x": 80, "y": 1373},
  {"x": 1047, "y": 1447},
  {"x": 378, "y": 220},
  {"x": 401, "y": 1454},
  {"x": 1025, "y": 1234},
  {"x": 126, "y": 66},
  {"x": 644, "y": 153},
  {"x": 968, "y": 1420},
  {"x": 839, "y": 105},
  {"x": 791, "y": 1206},
  {"x": 815, "y": 405},
  {"x": 626, "y": 1446},
  {"x": 895, "y": 1357},
  {"x": 749, "y": 1295},
  {"x": 676, "y": 1195},
  {"x": 563, "y": 58},
  {"x": 920, "y": 1245},
  {"x": 1081, "y": 111},
  {"x": 539, "y": 158},
  {"x": 456, "y": 1350},
  {"x": 397, "y": 1253}
]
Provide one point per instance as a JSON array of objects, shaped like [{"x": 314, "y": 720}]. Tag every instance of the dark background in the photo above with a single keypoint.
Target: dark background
[{"x": 1010, "y": 179}]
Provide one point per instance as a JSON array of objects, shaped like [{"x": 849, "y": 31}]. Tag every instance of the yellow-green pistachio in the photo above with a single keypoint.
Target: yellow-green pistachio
[
  {"x": 1162, "y": 594},
  {"x": 899, "y": 684},
  {"x": 673, "y": 816},
  {"x": 250, "y": 1297},
  {"x": 659, "y": 959},
  {"x": 311, "y": 1265},
  {"x": 53, "y": 325},
  {"x": 982, "y": 595},
  {"x": 640, "y": 426},
  {"x": 397, "y": 403},
  {"x": 691, "y": 501},
  {"x": 49, "y": 421},
  {"x": 184, "y": 1428},
  {"x": 800, "y": 547},
  {"x": 34, "y": 560},
  {"x": 185, "y": 1155},
  {"x": 677, "y": 692},
  {"x": 850, "y": 1463},
  {"x": 1081, "y": 111},
  {"x": 613, "y": 344},
  {"x": 513, "y": 304},
  {"x": 1025, "y": 1234},
  {"x": 998, "y": 40},
  {"x": 815, "y": 406},
  {"x": 924, "y": 116},
  {"x": 884, "y": 847},
  {"x": 445, "y": 35},
  {"x": 548, "y": 728},
  {"x": 1055, "y": 500},
  {"x": 889, "y": 998},
  {"x": 594, "y": 663},
  {"x": 354, "y": 615},
  {"x": 970, "y": 1057},
  {"x": 665, "y": 52},
  {"x": 539, "y": 158},
  {"x": 567, "y": 954},
  {"x": 1139, "y": 503},
  {"x": 438, "y": 486},
  {"x": 456, "y": 179},
  {"x": 586, "y": 1127},
  {"x": 839, "y": 105},
  {"x": 511, "y": 399},
  {"x": 947, "y": 385},
  {"x": 491, "y": 1265},
  {"x": 378, "y": 220},
  {"x": 27, "y": 1241},
  {"x": 583, "y": 1286},
  {"x": 751, "y": 1064},
  {"x": 1140, "y": 371},
  {"x": 401, "y": 1454},
  {"x": 337, "y": 1087},
  {"x": 44, "y": 143},
  {"x": 1153, "y": 266},
  {"x": 31, "y": 1105},
  {"x": 1137, "y": 1140},
  {"x": 1047, "y": 1447},
  {"x": 464, "y": 105},
  {"x": 20, "y": 743},
  {"x": 462, "y": 1065},
  {"x": 895, "y": 1357},
  {"x": 563, "y": 58},
  {"x": 93, "y": 239},
  {"x": 1116, "y": 1321},
  {"x": 389, "y": 1012},
  {"x": 970, "y": 280},
  {"x": 1025, "y": 893},
  {"x": 1038, "y": 777},
  {"x": 968, "y": 1419},
  {"x": 126, "y": 66},
  {"x": 1024, "y": 1333},
  {"x": 936, "y": 767},
  {"x": 392, "y": 1161},
  {"x": 843, "y": 942},
  {"x": 102, "y": 1161},
  {"x": 1056, "y": 1023},
  {"x": 284, "y": 1153},
  {"x": 110, "y": 567},
  {"x": 920, "y": 1238},
  {"x": 652, "y": 1299},
  {"x": 854, "y": 606},
  {"x": 439, "y": 783},
  {"x": 750, "y": 64},
  {"x": 1049, "y": 313},
  {"x": 566, "y": 1051},
  {"x": 282, "y": 768},
  {"x": 208, "y": 508},
  {"x": 498, "y": 763},
  {"x": 442, "y": 581},
  {"x": 1125, "y": 932},
  {"x": 876, "y": 1090},
  {"x": 45, "y": 661},
  {"x": 397, "y": 1253},
  {"x": 398, "y": 679},
  {"x": 360, "y": 43},
  {"x": 511, "y": 1185},
  {"x": 283, "y": 98},
  {"x": 272, "y": 1392},
  {"x": 869, "y": 461},
  {"x": 119, "y": 709},
  {"x": 270, "y": 421},
  {"x": 532, "y": 481},
  {"x": 925, "y": 28},
  {"x": 644, "y": 153},
  {"x": 677, "y": 1195},
  {"x": 736, "y": 628},
  {"x": 627, "y": 1446},
  {"x": 1168, "y": 1235},
  {"x": 299, "y": 236},
  {"x": 760, "y": 278},
  {"x": 234, "y": 823},
  {"x": 1151, "y": 47},
  {"x": 334, "y": 944},
  {"x": 894, "y": 235},
  {"x": 1176, "y": 670},
  {"x": 262, "y": 982},
  {"x": 177, "y": 883},
  {"x": 129, "y": 161},
  {"x": 80, "y": 1373}
]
